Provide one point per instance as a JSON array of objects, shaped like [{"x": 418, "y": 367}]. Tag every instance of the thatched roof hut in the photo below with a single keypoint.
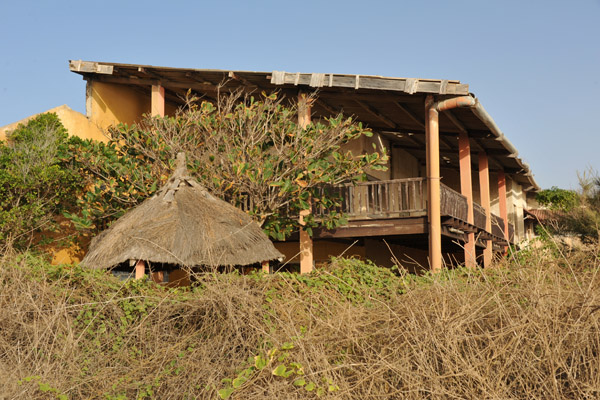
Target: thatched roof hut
[{"x": 185, "y": 225}]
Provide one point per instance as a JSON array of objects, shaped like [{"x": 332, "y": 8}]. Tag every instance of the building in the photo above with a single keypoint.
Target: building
[{"x": 455, "y": 189}]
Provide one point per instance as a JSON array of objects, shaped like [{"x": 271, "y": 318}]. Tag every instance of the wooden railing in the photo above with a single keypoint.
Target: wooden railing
[
  {"x": 380, "y": 199},
  {"x": 399, "y": 198},
  {"x": 452, "y": 203}
]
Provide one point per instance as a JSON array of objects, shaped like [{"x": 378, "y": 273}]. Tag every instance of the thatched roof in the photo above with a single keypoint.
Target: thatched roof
[{"x": 182, "y": 224}]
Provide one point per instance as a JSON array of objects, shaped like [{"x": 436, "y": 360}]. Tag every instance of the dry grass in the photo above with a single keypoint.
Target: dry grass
[{"x": 529, "y": 330}]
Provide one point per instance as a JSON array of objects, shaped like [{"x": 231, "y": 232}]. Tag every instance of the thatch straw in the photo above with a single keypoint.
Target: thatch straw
[{"x": 182, "y": 224}]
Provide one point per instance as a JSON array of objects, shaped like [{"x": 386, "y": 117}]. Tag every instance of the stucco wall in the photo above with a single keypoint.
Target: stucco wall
[
  {"x": 75, "y": 123},
  {"x": 110, "y": 104}
]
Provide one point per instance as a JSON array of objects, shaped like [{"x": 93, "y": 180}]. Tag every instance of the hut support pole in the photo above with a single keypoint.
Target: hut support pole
[
  {"x": 140, "y": 267},
  {"x": 158, "y": 276},
  {"x": 265, "y": 267},
  {"x": 432, "y": 134},
  {"x": 306, "y": 244},
  {"x": 466, "y": 189},
  {"x": 157, "y": 106},
  {"x": 502, "y": 203},
  {"x": 484, "y": 192}
]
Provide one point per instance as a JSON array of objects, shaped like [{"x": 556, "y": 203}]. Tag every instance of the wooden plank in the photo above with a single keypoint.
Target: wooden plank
[
  {"x": 372, "y": 82},
  {"x": 90, "y": 67},
  {"x": 400, "y": 226}
]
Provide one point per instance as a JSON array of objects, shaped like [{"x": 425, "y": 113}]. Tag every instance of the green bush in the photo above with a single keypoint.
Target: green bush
[{"x": 37, "y": 178}]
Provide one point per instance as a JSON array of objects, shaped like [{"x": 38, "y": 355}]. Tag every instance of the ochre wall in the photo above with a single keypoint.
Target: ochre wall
[
  {"x": 75, "y": 123},
  {"x": 110, "y": 104}
]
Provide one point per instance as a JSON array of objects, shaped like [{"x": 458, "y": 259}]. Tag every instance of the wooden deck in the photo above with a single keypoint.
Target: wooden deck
[{"x": 399, "y": 206}]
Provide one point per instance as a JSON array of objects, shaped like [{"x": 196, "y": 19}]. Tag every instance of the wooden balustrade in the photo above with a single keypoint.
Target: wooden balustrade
[
  {"x": 379, "y": 199},
  {"x": 452, "y": 203},
  {"x": 479, "y": 218},
  {"x": 399, "y": 198}
]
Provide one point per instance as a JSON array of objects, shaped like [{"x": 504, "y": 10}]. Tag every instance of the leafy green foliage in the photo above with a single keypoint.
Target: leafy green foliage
[
  {"x": 38, "y": 178},
  {"x": 558, "y": 199},
  {"x": 249, "y": 152},
  {"x": 578, "y": 211}
]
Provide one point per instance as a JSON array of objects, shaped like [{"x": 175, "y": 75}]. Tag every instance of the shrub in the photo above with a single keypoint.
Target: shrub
[{"x": 37, "y": 178}]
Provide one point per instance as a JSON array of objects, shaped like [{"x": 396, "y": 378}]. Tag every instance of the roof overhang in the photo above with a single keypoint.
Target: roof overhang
[{"x": 392, "y": 106}]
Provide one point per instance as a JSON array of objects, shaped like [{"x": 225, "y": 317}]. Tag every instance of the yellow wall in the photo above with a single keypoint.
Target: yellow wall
[
  {"x": 110, "y": 104},
  {"x": 75, "y": 123}
]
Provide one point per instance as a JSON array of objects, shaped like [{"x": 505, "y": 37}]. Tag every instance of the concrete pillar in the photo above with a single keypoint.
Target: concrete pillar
[
  {"x": 484, "y": 194},
  {"x": 157, "y": 107},
  {"x": 306, "y": 244},
  {"x": 502, "y": 201},
  {"x": 432, "y": 133},
  {"x": 466, "y": 189}
]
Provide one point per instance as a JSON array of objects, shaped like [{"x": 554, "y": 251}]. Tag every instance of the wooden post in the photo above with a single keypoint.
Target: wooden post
[
  {"x": 158, "y": 276},
  {"x": 432, "y": 134},
  {"x": 306, "y": 244},
  {"x": 466, "y": 189},
  {"x": 484, "y": 193},
  {"x": 502, "y": 202},
  {"x": 140, "y": 267},
  {"x": 157, "y": 107},
  {"x": 265, "y": 267}
]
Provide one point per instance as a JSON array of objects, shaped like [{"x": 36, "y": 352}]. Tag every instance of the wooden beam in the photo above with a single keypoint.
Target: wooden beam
[
  {"x": 377, "y": 114},
  {"x": 166, "y": 83},
  {"x": 484, "y": 193},
  {"x": 370, "y": 82},
  {"x": 327, "y": 107},
  {"x": 375, "y": 227},
  {"x": 410, "y": 115}
]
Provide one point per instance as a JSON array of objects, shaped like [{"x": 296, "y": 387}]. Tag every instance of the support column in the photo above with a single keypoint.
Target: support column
[
  {"x": 502, "y": 202},
  {"x": 140, "y": 267},
  {"x": 466, "y": 189},
  {"x": 265, "y": 267},
  {"x": 157, "y": 107},
  {"x": 158, "y": 276},
  {"x": 306, "y": 243},
  {"x": 484, "y": 193},
  {"x": 432, "y": 134}
]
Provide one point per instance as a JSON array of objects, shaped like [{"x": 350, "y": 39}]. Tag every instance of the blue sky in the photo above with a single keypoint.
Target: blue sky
[{"x": 535, "y": 65}]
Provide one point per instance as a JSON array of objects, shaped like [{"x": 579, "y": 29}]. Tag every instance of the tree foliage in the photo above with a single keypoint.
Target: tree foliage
[
  {"x": 37, "y": 178},
  {"x": 250, "y": 152},
  {"x": 558, "y": 199},
  {"x": 578, "y": 211}
]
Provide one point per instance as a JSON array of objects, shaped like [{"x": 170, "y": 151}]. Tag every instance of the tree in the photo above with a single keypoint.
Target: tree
[
  {"x": 37, "y": 178},
  {"x": 249, "y": 152}
]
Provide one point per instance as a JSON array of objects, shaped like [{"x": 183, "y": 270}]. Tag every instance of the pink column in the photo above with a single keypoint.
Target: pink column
[
  {"x": 157, "y": 107},
  {"x": 484, "y": 192},
  {"x": 466, "y": 189}
]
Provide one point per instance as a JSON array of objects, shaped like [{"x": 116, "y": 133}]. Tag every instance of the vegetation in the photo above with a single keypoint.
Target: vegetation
[
  {"x": 576, "y": 212},
  {"x": 37, "y": 178},
  {"x": 351, "y": 330},
  {"x": 250, "y": 152}
]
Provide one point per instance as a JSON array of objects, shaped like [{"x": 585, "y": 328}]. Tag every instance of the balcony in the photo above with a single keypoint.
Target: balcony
[{"x": 406, "y": 198}]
